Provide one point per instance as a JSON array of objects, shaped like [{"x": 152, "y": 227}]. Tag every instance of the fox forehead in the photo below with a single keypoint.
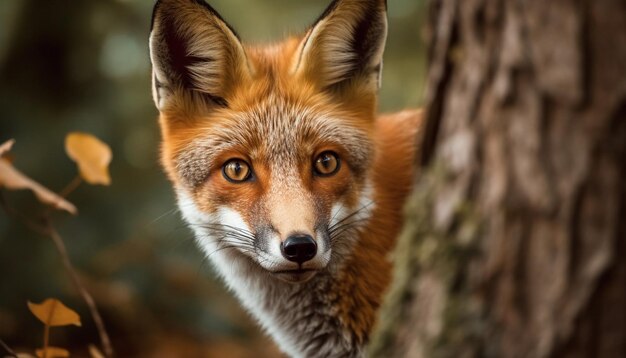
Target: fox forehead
[
  {"x": 274, "y": 131},
  {"x": 272, "y": 117}
]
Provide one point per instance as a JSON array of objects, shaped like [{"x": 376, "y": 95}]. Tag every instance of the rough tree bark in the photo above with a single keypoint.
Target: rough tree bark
[{"x": 515, "y": 241}]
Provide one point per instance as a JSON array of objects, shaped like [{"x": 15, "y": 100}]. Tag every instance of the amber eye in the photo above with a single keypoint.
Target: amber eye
[
  {"x": 326, "y": 164},
  {"x": 236, "y": 171}
]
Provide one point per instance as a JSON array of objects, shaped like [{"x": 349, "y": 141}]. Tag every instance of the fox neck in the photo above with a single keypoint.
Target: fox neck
[{"x": 302, "y": 318}]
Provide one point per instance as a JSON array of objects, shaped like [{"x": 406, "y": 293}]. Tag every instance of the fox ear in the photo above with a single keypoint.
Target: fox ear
[
  {"x": 193, "y": 50},
  {"x": 346, "y": 43}
]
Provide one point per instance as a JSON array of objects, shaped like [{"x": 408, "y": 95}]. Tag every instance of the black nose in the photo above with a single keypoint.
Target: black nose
[{"x": 299, "y": 248}]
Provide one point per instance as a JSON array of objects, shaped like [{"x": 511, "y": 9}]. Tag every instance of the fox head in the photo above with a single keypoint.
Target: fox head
[{"x": 269, "y": 148}]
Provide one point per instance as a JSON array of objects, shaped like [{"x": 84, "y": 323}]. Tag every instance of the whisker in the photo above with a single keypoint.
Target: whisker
[
  {"x": 353, "y": 214},
  {"x": 167, "y": 213},
  {"x": 228, "y": 230},
  {"x": 238, "y": 244},
  {"x": 345, "y": 225},
  {"x": 221, "y": 249}
]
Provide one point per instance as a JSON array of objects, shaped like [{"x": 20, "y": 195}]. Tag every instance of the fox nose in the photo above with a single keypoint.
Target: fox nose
[{"x": 299, "y": 248}]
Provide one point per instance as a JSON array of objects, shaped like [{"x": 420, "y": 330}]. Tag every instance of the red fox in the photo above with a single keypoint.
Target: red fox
[{"x": 292, "y": 185}]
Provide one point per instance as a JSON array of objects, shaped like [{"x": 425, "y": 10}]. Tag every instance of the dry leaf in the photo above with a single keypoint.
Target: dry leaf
[
  {"x": 94, "y": 352},
  {"x": 52, "y": 352},
  {"x": 53, "y": 312},
  {"x": 6, "y": 146},
  {"x": 92, "y": 156},
  {"x": 13, "y": 179},
  {"x": 24, "y": 355}
]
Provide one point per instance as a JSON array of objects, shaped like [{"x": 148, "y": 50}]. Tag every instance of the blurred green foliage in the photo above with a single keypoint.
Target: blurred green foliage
[{"x": 84, "y": 66}]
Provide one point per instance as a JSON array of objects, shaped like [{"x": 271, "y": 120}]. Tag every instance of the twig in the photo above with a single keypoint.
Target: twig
[
  {"x": 69, "y": 188},
  {"x": 73, "y": 185},
  {"x": 47, "y": 229},
  {"x": 46, "y": 335},
  {"x": 31, "y": 224},
  {"x": 60, "y": 246},
  {"x": 8, "y": 349}
]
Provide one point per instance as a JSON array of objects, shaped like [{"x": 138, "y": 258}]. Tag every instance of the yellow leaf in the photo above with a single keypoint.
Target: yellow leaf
[
  {"x": 94, "y": 352},
  {"x": 13, "y": 179},
  {"x": 6, "y": 146},
  {"x": 52, "y": 352},
  {"x": 53, "y": 312},
  {"x": 92, "y": 156}
]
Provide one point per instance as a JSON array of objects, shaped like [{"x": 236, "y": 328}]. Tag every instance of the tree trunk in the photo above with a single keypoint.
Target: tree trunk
[{"x": 515, "y": 237}]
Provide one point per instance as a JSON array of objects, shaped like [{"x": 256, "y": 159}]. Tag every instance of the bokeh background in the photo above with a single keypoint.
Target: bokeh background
[{"x": 83, "y": 65}]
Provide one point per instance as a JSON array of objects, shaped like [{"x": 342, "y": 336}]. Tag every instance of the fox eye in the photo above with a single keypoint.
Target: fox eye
[
  {"x": 236, "y": 171},
  {"x": 326, "y": 164}
]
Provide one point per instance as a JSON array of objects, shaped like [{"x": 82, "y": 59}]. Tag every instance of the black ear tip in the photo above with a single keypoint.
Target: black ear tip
[
  {"x": 202, "y": 6},
  {"x": 156, "y": 10}
]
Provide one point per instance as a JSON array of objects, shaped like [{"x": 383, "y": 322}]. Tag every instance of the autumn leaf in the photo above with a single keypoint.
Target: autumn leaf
[
  {"x": 53, "y": 312},
  {"x": 52, "y": 352},
  {"x": 92, "y": 156},
  {"x": 6, "y": 146},
  {"x": 24, "y": 355},
  {"x": 13, "y": 179}
]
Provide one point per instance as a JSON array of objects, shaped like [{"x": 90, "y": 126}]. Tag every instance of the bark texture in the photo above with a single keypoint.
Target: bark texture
[{"x": 515, "y": 242}]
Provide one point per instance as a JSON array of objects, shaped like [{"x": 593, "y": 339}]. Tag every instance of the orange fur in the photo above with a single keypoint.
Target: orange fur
[
  {"x": 395, "y": 138},
  {"x": 277, "y": 108},
  {"x": 394, "y": 174}
]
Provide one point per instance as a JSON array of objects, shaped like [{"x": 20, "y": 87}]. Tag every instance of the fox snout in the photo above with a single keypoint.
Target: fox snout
[
  {"x": 301, "y": 256},
  {"x": 297, "y": 244}
]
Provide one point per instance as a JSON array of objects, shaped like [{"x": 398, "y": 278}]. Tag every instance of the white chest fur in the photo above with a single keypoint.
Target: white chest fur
[{"x": 301, "y": 318}]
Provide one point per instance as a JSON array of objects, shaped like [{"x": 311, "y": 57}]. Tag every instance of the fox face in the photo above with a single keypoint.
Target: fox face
[
  {"x": 276, "y": 183},
  {"x": 269, "y": 148}
]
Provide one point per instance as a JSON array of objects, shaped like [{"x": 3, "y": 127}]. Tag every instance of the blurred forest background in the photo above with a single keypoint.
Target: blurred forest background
[{"x": 84, "y": 66}]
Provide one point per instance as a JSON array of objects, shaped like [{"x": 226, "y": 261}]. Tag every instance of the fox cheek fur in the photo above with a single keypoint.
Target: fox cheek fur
[{"x": 292, "y": 185}]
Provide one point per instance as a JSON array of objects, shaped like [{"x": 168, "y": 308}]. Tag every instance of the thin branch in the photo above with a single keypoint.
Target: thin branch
[
  {"x": 69, "y": 188},
  {"x": 11, "y": 212},
  {"x": 60, "y": 246},
  {"x": 46, "y": 335},
  {"x": 8, "y": 349},
  {"x": 47, "y": 229},
  {"x": 73, "y": 185}
]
